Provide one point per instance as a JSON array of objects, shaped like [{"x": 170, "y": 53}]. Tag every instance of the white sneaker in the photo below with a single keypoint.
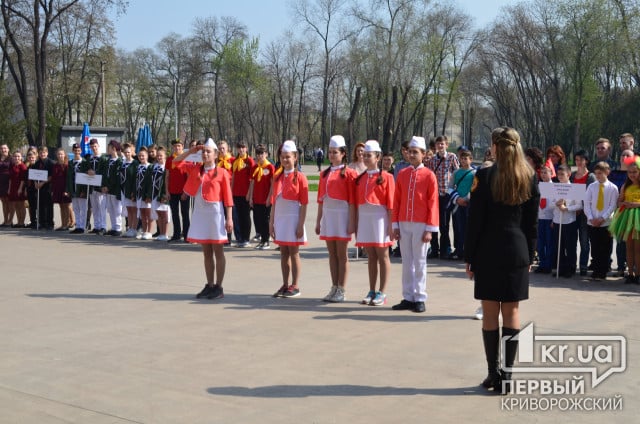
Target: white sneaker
[
  {"x": 130, "y": 233},
  {"x": 339, "y": 295},
  {"x": 147, "y": 236},
  {"x": 162, "y": 237},
  {"x": 478, "y": 315},
  {"x": 265, "y": 246},
  {"x": 138, "y": 235},
  {"x": 329, "y": 296}
]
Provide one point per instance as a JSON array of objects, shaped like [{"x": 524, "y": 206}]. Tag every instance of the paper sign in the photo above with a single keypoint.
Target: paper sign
[
  {"x": 86, "y": 179},
  {"x": 194, "y": 157},
  {"x": 38, "y": 175},
  {"x": 563, "y": 191}
]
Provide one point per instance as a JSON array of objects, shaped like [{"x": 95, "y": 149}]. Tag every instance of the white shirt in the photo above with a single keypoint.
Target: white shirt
[{"x": 610, "y": 202}]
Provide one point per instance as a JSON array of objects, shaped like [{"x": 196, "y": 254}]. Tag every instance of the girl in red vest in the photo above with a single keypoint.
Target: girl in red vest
[
  {"x": 211, "y": 191},
  {"x": 336, "y": 215},
  {"x": 289, "y": 197}
]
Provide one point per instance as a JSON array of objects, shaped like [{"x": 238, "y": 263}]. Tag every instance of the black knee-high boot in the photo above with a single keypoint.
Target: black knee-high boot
[
  {"x": 510, "y": 350},
  {"x": 491, "y": 339}
]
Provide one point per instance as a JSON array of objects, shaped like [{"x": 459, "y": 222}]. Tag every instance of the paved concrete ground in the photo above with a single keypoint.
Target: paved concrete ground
[{"x": 101, "y": 330}]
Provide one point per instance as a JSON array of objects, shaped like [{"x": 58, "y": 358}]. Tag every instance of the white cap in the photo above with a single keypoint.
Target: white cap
[
  {"x": 418, "y": 142},
  {"x": 336, "y": 142},
  {"x": 372, "y": 146},
  {"x": 289, "y": 146},
  {"x": 210, "y": 143}
]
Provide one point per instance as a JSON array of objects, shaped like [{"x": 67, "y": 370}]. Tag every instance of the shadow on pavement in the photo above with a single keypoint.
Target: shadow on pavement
[{"x": 302, "y": 391}]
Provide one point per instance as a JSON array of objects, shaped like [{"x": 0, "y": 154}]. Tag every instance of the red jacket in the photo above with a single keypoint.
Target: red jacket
[
  {"x": 336, "y": 186},
  {"x": 215, "y": 188},
  {"x": 416, "y": 198}
]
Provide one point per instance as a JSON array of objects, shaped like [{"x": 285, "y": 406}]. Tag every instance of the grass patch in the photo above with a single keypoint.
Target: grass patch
[
  {"x": 312, "y": 177},
  {"x": 313, "y": 187}
]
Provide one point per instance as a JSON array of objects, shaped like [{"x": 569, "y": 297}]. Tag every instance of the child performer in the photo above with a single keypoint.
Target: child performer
[
  {"x": 143, "y": 202},
  {"x": 127, "y": 175},
  {"x": 240, "y": 181},
  {"x": 261, "y": 178},
  {"x": 111, "y": 187},
  {"x": 374, "y": 198},
  {"x": 624, "y": 223},
  {"x": 17, "y": 194},
  {"x": 336, "y": 215},
  {"x": 157, "y": 191},
  {"x": 546, "y": 247},
  {"x": 210, "y": 188},
  {"x": 599, "y": 204},
  {"x": 289, "y": 197},
  {"x": 78, "y": 192},
  {"x": 95, "y": 166},
  {"x": 415, "y": 218},
  {"x": 59, "y": 190},
  {"x": 565, "y": 213}
]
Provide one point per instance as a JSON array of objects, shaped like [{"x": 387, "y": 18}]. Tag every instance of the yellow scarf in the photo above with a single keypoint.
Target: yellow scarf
[
  {"x": 223, "y": 161},
  {"x": 278, "y": 171},
  {"x": 238, "y": 164},
  {"x": 260, "y": 169}
]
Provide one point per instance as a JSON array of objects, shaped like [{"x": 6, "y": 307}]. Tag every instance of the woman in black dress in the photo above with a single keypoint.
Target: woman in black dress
[{"x": 500, "y": 245}]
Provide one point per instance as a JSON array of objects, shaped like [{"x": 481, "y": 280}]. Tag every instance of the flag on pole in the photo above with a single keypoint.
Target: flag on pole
[{"x": 84, "y": 142}]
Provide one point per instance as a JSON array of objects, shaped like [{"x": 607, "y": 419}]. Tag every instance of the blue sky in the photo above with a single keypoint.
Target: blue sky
[{"x": 148, "y": 21}]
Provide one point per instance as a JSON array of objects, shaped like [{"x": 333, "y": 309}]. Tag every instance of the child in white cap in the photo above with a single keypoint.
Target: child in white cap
[
  {"x": 210, "y": 188},
  {"x": 289, "y": 197},
  {"x": 374, "y": 198},
  {"x": 336, "y": 215},
  {"x": 415, "y": 218}
]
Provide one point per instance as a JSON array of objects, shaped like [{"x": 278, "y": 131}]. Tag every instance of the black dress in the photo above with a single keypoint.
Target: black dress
[{"x": 500, "y": 241}]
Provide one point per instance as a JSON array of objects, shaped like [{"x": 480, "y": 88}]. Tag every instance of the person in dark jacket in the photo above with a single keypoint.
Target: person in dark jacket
[{"x": 500, "y": 245}]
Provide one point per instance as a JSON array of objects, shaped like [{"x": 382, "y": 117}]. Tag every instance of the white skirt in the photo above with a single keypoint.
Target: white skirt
[
  {"x": 335, "y": 219},
  {"x": 162, "y": 207},
  {"x": 373, "y": 226},
  {"x": 285, "y": 221},
  {"x": 207, "y": 222},
  {"x": 126, "y": 203},
  {"x": 141, "y": 204}
]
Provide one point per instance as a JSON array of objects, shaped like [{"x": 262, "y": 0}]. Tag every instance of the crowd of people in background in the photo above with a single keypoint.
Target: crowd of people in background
[{"x": 137, "y": 189}]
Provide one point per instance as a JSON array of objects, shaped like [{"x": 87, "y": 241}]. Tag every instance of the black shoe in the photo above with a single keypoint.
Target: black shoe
[
  {"x": 174, "y": 238},
  {"x": 405, "y": 305},
  {"x": 419, "y": 307},
  {"x": 101, "y": 232},
  {"x": 156, "y": 234},
  {"x": 114, "y": 233},
  {"x": 433, "y": 255},
  {"x": 205, "y": 291},
  {"x": 583, "y": 272},
  {"x": 216, "y": 293},
  {"x": 636, "y": 280},
  {"x": 77, "y": 231}
]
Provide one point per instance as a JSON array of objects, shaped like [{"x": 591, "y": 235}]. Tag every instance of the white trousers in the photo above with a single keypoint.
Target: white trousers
[
  {"x": 114, "y": 209},
  {"x": 98, "y": 209},
  {"x": 414, "y": 261},
  {"x": 80, "y": 211}
]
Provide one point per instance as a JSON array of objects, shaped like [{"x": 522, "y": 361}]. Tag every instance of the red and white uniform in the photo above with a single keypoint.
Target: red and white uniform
[
  {"x": 336, "y": 193},
  {"x": 374, "y": 202},
  {"x": 287, "y": 197},
  {"x": 212, "y": 193},
  {"x": 415, "y": 210}
]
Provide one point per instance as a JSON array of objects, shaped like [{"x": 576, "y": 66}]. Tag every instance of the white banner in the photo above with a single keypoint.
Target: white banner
[
  {"x": 38, "y": 175},
  {"x": 563, "y": 191},
  {"x": 86, "y": 179}
]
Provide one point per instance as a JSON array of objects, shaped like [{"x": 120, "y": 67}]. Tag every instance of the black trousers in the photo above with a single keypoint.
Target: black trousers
[
  {"x": 32, "y": 197},
  {"x": 45, "y": 213},
  {"x": 601, "y": 248},
  {"x": 442, "y": 246},
  {"x": 244, "y": 217},
  {"x": 261, "y": 214},
  {"x": 179, "y": 206}
]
